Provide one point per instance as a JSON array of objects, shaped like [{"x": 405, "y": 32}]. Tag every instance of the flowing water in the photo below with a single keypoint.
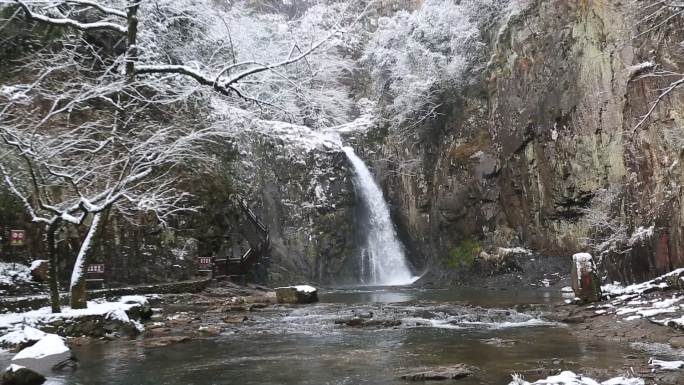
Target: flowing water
[
  {"x": 383, "y": 261},
  {"x": 295, "y": 345}
]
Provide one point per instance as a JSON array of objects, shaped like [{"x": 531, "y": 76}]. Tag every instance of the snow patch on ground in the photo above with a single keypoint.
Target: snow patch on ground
[
  {"x": 659, "y": 283},
  {"x": 13, "y": 273},
  {"x": 570, "y": 378},
  {"x": 115, "y": 310},
  {"x": 665, "y": 365}
]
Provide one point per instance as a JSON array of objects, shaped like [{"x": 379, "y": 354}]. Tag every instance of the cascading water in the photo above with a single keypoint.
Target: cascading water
[{"x": 382, "y": 260}]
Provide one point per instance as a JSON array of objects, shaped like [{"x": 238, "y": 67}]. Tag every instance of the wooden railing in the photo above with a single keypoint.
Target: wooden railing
[{"x": 258, "y": 240}]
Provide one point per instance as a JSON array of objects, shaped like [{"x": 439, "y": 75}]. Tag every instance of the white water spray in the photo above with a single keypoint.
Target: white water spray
[{"x": 382, "y": 261}]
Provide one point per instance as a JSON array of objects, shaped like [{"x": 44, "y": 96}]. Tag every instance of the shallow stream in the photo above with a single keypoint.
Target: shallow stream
[{"x": 304, "y": 345}]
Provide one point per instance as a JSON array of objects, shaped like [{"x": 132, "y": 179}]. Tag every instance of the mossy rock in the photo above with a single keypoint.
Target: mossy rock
[{"x": 464, "y": 255}]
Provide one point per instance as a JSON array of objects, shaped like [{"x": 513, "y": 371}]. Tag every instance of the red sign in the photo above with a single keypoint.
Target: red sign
[
  {"x": 204, "y": 263},
  {"x": 17, "y": 237},
  {"x": 96, "y": 268}
]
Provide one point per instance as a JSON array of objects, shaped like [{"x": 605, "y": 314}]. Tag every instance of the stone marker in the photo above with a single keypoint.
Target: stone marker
[
  {"x": 584, "y": 280},
  {"x": 296, "y": 294}
]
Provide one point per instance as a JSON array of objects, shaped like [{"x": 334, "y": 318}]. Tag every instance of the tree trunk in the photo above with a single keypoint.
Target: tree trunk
[
  {"x": 52, "y": 257},
  {"x": 77, "y": 289},
  {"x": 131, "y": 38}
]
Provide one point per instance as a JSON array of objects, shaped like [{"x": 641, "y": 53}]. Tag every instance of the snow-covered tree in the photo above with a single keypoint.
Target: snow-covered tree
[
  {"x": 88, "y": 129},
  {"x": 415, "y": 57},
  {"x": 660, "y": 19}
]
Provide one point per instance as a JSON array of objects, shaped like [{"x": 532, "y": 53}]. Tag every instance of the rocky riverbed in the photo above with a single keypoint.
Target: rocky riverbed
[{"x": 384, "y": 335}]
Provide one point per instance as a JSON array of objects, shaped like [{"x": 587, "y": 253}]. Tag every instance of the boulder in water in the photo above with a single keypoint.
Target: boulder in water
[
  {"x": 440, "y": 373},
  {"x": 584, "y": 280},
  {"x": 297, "y": 294},
  {"x": 19, "y": 375},
  {"x": 49, "y": 352}
]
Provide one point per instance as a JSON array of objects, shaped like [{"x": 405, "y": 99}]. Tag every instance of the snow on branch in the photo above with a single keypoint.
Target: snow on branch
[
  {"x": 654, "y": 104},
  {"x": 61, "y": 21},
  {"x": 99, "y": 7}
]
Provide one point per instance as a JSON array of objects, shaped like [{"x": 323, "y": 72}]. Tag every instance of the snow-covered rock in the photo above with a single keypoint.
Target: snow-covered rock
[
  {"x": 40, "y": 270},
  {"x": 297, "y": 294},
  {"x": 665, "y": 365},
  {"x": 671, "y": 280},
  {"x": 99, "y": 318},
  {"x": 21, "y": 337},
  {"x": 19, "y": 375},
  {"x": 570, "y": 378},
  {"x": 44, "y": 355}
]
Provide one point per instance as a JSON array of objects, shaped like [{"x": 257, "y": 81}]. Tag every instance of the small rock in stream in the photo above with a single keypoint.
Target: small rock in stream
[
  {"x": 440, "y": 373},
  {"x": 163, "y": 341},
  {"x": 235, "y": 319}
]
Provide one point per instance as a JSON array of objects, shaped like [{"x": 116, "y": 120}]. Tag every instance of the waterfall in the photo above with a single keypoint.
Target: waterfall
[{"x": 382, "y": 260}]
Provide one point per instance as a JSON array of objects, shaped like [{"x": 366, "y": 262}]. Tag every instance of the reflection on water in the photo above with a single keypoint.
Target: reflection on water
[{"x": 302, "y": 345}]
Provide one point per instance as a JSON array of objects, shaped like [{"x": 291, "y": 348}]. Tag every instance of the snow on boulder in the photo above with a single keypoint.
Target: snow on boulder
[
  {"x": 19, "y": 375},
  {"x": 570, "y": 378},
  {"x": 44, "y": 355},
  {"x": 21, "y": 338},
  {"x": 296, "y": 294},
  {"x": 40, "y": 270},
  {"x": 584, "y": 280},
  {"x": 139, "y": 306}
]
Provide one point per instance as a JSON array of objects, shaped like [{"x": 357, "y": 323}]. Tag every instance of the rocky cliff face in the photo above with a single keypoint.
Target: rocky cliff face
[
  {"x": 300, "y": 186},
  {"x": 542, "y": 151}
]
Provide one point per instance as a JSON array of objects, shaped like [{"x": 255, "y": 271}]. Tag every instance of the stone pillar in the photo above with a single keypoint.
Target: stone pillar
[{"x": 584, "y": 280}]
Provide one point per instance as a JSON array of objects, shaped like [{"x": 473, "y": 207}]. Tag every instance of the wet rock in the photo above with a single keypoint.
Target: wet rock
[
  {"x": 502, "y": 343},
  {"x": 163, "y": 341},
  {"x": 296, "y": 294},
  {"x": 211, "y": 330},
  {"x": 575, "y": 319},
  {"x": 584, "y": 280},
  {"x": 235, "y": 319},
  {"x": 44, "y": 355},
  {"x": 677, "y": 342},
  {"x": 19, "y": 375},
  {"x": 39, "y": 270},
  {"x": 440, "y": 373},
  {"x": 364, "y": 322},
  {"x": 256, "y": 306}
]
